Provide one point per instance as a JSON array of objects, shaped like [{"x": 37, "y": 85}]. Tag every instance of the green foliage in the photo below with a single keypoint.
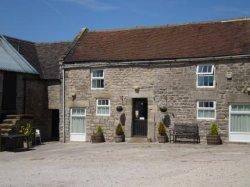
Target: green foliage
[
  {"x": 119, "y": 131},
  {"x": 27, "y": 130},
  {"x": 162, "y": 129},
  {"x": 214, "y": 129},
  {"x": 99, "y": 130}
]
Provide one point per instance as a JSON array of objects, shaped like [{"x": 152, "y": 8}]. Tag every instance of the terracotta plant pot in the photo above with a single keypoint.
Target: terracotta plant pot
[
  {"x": 162, "y": 139},
  {"x": 120, "y": 138},
  {"x": 163, "y": 109},
  {"x": 214, "y": 140},
  {"x": 27, "y": 144},
  {"x": 97, "y": 138}
]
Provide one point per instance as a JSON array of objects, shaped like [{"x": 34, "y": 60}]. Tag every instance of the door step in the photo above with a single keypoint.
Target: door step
[{"x": 138, "y": 140}]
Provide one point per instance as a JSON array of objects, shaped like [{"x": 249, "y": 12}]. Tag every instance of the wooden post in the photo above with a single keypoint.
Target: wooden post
[{"x": 1, "y": 140}]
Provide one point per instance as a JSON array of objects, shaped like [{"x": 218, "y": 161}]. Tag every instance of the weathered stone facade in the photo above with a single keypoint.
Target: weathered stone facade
[{"x": 169, "y": 84}]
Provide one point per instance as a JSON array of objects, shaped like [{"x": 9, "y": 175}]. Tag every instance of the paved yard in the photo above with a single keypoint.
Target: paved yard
[{"x": 110, "y": 164}]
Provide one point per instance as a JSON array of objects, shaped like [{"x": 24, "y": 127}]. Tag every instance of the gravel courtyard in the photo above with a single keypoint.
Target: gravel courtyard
[{"x": 110, "y": 164}]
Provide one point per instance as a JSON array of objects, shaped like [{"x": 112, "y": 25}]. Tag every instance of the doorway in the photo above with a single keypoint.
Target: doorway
[
  {"x": 55, "y": 125},
  {"x": 140, "y": 117},
  {"x": 9, "y": 93}
]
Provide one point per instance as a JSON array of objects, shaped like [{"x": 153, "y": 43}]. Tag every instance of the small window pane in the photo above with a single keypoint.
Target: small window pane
[{"x": 97, "y": 73}]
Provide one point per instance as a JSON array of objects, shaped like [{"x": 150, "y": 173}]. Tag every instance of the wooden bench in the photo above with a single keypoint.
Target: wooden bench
[{"x": 187, "y": 131}]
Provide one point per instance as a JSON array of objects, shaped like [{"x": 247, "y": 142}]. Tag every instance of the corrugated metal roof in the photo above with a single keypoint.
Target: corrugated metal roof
[{"x": 12, "y": 60}]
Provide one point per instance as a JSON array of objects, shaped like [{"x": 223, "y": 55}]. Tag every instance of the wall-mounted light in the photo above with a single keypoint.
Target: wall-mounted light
[
  {"x": 229, "y": 75},
  {"x": 137, "y": 89},
  {"x": 73, "y": 96}
]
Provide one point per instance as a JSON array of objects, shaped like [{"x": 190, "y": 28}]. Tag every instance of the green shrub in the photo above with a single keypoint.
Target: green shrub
[
  {"x": 162, "y": 129},
  {"x": 214, "y": 129},
  {"x": 28, "y": 130},
  {"x": 119, "y": 131},
  {"x": 99, "y": 130}
]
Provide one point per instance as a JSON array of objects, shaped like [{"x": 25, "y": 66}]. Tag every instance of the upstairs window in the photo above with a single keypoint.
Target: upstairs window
[
  {"x": 97, "y": 79},
  {"x": 205, "y": 75},
  {"x": 102, "y": 107},
  {"x": 206, "y": 110}
]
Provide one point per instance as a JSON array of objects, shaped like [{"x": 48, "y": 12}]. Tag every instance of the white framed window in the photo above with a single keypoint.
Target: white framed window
[
  {"x": 103, "y": 107},
  {"x": 206, "y": 110},
  {"x": 97, "y": 79},
  {"x": 205, "y": 76},
  {"x": 77, "y": 121},
  {"x": 239, "y": 118}
]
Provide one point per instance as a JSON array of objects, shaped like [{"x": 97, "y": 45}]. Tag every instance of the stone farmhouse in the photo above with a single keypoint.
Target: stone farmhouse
[
  {"x": 191, "y": 73},
  {"x": 199, "y": 73}
]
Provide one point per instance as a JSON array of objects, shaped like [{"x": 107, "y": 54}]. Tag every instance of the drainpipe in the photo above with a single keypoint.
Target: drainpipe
[{"x": 63, "y": 100}]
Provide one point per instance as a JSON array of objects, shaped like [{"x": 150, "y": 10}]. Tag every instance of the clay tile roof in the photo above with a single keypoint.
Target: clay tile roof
[{"x": 166, "y": 42}]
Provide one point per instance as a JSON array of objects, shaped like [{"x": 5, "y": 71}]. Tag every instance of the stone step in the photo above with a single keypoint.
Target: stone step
[
  {"x": 10, "y": 121},
  {"x": 5, "y": 130},
  {"x": 138, "y": 140},
  {"x": 6, "y": 125},
  {"x": 19, "y": 116}
]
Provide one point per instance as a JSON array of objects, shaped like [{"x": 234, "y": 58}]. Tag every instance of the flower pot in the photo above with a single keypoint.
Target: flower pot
[
  {"x": 119, "y": 108},
  {"x": 214, "y": 140},
  {"x": 97, "y": 138},
  {"x": 119, "y": 138},
  {"x": 27, "y": 144},
  {"x": 163, "y": 139}
]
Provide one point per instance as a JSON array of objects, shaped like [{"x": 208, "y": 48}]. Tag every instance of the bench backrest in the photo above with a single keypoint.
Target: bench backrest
[{"x": 186, "y": 128}]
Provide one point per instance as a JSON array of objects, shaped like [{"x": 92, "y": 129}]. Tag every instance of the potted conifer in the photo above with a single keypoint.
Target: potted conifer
[
  {"x": 162, "y": 137},
  {"x": 98, "y": 137},
  {"x": 120, "y": 137},
  {"x": 29, "y": 132},
  {"x": 213, "y": 138}
]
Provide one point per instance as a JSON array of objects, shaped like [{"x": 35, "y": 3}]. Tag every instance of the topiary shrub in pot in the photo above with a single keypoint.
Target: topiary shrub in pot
[
  {"x": 98, "y": 137},
  {"x": 28, "y": 131},
  {"x": 213, "y": 138},
  {"x": 162, "y": 137},
  {"x": 120, "y": 137}
]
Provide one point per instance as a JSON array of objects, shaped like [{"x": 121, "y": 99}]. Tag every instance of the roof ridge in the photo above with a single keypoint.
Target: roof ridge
[
  {"x": 173, "y": 25},
  {"x": 18, "y": 39},
  {"x": 56, "y": 42}
]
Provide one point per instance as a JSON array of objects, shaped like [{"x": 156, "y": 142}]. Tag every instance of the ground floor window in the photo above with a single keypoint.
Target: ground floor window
[
  {"x": 206, "y": 110},
  {"x": 103, "y": 107}
]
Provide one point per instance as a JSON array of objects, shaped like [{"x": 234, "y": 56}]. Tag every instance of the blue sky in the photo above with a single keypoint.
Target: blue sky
[{"x": 58, "y": 20}]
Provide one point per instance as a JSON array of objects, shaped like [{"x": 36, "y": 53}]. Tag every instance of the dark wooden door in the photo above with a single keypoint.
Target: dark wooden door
[
  {"x": 9, "y": 92},
  {"x": 140, "y": 117}
]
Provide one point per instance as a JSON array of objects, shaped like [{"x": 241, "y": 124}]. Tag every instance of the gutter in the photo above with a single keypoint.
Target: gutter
[
  {"x": 151, "y": 62},
  {"x": 63, "y": 100}
]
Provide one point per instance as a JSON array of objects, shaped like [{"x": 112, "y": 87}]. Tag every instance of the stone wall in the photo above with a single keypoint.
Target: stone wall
[
  {"x": 54, "y": 95},
  {"x": 37, "y": 105},
  {"x": 171, "y": 85}
]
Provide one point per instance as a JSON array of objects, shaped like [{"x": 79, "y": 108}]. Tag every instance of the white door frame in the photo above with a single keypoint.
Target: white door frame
[{"x": 77, "y": 136}]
